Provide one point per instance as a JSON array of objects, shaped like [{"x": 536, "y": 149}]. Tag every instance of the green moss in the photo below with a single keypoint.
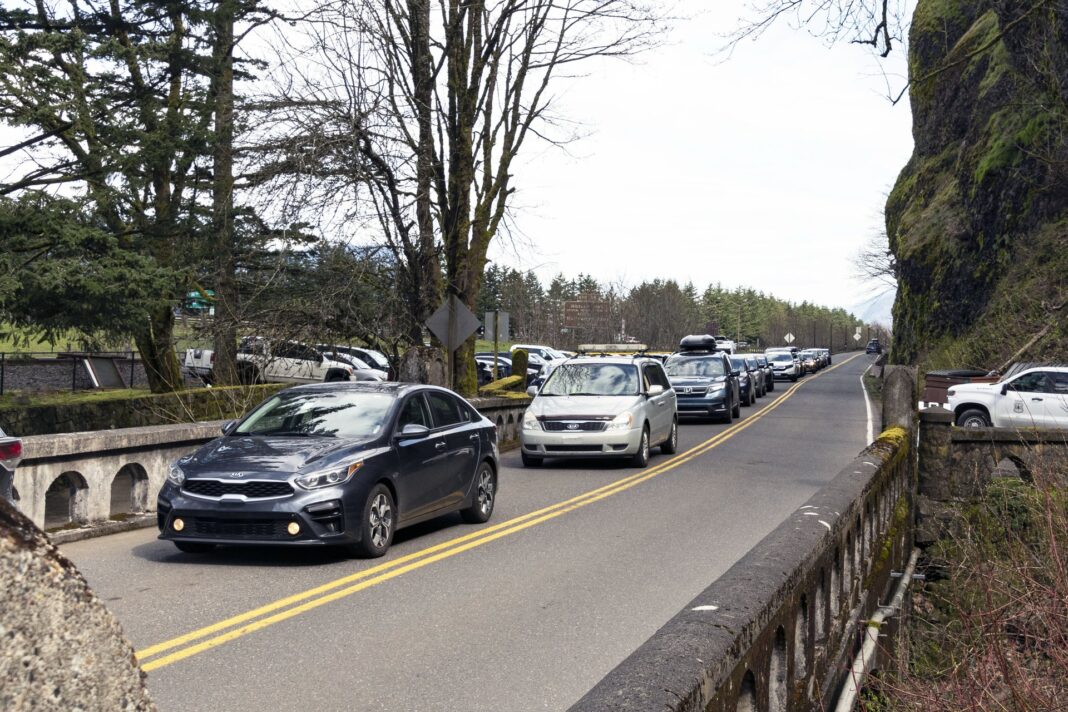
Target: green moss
[{"x": 503, "y": 386}]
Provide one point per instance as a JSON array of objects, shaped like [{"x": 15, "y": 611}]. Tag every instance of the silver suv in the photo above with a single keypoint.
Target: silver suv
[{"x": 602, "y": 407}]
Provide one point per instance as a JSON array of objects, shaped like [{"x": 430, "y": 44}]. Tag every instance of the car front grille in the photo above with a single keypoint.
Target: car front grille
[
  {"x": 573, "y": 426},
  {"x": 251, "y": 490},
  {"x": 687, "y": 391},
  {"x": 239, "y": 528}
]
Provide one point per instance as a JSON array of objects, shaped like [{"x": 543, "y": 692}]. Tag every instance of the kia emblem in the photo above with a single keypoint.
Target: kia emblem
[{"x": 237, "y": 474}]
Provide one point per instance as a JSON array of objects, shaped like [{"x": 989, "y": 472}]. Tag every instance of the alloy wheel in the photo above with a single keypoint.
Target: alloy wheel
[
  {"x": 485, "y": 491},
  {"x": 381, "y": 520}
]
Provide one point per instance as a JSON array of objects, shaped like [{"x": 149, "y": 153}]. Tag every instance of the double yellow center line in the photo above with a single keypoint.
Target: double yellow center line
[{"x": 216, "y": 634}]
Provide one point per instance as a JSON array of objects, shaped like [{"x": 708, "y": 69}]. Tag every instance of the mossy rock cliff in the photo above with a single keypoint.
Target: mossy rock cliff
[{"x": 978, "y": 219}]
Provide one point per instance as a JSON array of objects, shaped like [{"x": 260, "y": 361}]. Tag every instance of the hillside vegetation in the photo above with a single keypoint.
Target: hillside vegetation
[{"x": 978, "y": 219}]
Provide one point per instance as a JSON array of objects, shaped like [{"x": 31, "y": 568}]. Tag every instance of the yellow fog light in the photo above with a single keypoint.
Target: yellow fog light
[
  {"x": 293, "y": 528},
  {"x": 178, "y": 525}
]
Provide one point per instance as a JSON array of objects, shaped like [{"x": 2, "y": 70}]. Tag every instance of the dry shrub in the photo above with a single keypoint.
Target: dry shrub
[{"x": 990, "y": 629}]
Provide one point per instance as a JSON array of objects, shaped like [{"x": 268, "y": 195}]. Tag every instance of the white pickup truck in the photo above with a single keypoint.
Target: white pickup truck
[
  {"x": 263, "y": 361},
  {"x": 1032, "y": 398}
]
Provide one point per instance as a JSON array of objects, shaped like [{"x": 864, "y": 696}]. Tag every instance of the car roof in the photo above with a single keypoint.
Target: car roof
[{"x": 619, "y": 360}]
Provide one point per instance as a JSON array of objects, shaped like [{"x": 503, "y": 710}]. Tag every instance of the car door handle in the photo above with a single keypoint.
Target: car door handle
[
  {"x": 1037, "y": 399},
  {"x": 473, "y": 436},
  {"x": 439, "y": 445}
]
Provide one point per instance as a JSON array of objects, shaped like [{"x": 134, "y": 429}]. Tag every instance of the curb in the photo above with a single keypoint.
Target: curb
[{"x": 93, "y": 531}]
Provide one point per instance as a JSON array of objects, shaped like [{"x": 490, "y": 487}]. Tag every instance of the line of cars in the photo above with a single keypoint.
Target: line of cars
[{"x": 621, "y": 406}]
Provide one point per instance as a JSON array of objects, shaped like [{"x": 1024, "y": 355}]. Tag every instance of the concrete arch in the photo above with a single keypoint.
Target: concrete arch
[
  {"x": 747, "y": 699},
  {"x": 777, "y": 674},
  {"x": 820, "y": 606},
  {"x": 512, "y": 434},
  {"x": 66, "y": 501},
  {"x": 129, "y": 490}
]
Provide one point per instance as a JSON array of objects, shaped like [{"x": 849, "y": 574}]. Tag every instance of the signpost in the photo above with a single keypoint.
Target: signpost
[
  {"x": 496, "y": 328},
  {"x": 452, "y": 323}
]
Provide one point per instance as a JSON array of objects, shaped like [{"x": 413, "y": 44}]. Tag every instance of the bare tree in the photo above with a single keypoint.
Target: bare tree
[
  {"x": 875, "y": 261},
  {"x": 419, "y": 108}
]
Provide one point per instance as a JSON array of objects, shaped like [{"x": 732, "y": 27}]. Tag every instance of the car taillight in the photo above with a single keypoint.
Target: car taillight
[{"x": 10, "y": 453}]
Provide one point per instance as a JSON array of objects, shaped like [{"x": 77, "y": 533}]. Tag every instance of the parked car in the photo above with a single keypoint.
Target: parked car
[
  {"x": 260, "y": 360},
  {"x": 601, "y": 407},
  {"x": 10, "y": 456},
  {"x": 704, "y": 384},
  {"x": 504, "y": 365},
  {"x": 538, "y": 354},
  {"x": 747, "y": 380},
  {"x": 374, "y": 359},
  {"x": 1033, "y": 398},
  {"x": 340, "y": 464},
  {"x": 784, "y": 365},
  {"x": 362, "y": 371},
  {"x": 873, "y": 347}
]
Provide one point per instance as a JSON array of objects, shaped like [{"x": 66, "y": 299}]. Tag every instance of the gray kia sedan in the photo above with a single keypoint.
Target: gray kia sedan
[{"x": 343, "y": 464}]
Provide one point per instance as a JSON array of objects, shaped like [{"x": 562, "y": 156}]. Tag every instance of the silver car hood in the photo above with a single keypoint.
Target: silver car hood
[{"x": 582, "y": 406}]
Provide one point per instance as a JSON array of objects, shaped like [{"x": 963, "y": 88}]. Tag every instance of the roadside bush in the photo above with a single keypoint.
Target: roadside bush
[{"x": 990, "y": 628}]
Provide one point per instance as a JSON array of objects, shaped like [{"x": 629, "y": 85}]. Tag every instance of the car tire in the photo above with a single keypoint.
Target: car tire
[
  {"x": 671, "y": 445},
  {"x": 640, "y": 459},
  {"x": 377, "y": 524},
  {"x": 194, "y": 547},
  {"x": 973, "y": 418},
  {"x": 485, "y": 496},
  {"x": 529, "y": 461},
  {"x": 736, "y": 410},
  {"x": 771, "y": 386},
  {"x": 793, "y": 379}
]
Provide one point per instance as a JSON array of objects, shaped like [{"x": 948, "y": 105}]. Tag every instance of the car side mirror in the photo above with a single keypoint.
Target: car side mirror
[
  {"x": 1005, "y": 389},
  {"x": 413, "y": 431},
  {"x": 229, "y": 426},
  {"x": 736, "y": 372},
  {"x": 532, "y": 391},
  {"x": 654, "y": 391}
]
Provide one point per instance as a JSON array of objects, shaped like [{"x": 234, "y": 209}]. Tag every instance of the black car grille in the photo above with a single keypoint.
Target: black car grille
[
  {"x": 691, "y": 391},
  {"x": 585, "y": 426},
  {"x": 252, "y": 490},
  {"x": 240, "y": 528}
]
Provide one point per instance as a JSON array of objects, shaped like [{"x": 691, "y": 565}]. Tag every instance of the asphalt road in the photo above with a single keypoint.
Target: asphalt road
[{"x": 527, "y": 612}]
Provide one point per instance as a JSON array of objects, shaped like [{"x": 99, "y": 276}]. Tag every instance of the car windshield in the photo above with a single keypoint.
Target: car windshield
[
  {"x": 592, "y": 379},
  {"x": 738, "y": 364},
  {"x": 351, "y": 415},
  {"x": 781, "y": 357},
  {"x": 705, "y": 367}
]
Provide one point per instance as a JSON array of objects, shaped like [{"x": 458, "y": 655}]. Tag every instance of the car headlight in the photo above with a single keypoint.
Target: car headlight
[
  {"x": 951, "y": 392},
  {"x": 176, "y": 476},
  {"x": 328, "y": 478},
  {"x": 530, "y": 422},
  {"x": 623, "y": 421},
  {"x": 717, "y": 387}
]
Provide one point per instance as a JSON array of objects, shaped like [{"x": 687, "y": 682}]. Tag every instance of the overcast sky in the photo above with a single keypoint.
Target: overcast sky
[{"x": 769, "y": 169}]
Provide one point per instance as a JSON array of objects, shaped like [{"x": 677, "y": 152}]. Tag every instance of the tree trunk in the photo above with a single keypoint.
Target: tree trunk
[
  {"x": 156, "y": 345},
  {"x": 224, "y": 331}
]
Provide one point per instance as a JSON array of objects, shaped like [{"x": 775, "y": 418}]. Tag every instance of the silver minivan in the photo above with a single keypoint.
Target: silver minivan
[{"x": 601, "y": 407}]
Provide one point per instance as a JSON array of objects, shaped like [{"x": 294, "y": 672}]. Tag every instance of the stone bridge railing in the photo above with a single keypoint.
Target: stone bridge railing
[
  {"x": 779, "y": 630},
  {"x": 77, "y": 480},
  {"x": 956, "y": 464}
]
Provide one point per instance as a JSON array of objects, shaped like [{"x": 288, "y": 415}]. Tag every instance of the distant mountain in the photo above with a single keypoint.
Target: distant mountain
[{"x": 877, "y": 310}]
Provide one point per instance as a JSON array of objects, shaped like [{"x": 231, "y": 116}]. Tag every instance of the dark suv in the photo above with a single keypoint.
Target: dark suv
[
  {"x": 704, "y": 383},
  {"x": 874, "y": 347}
]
